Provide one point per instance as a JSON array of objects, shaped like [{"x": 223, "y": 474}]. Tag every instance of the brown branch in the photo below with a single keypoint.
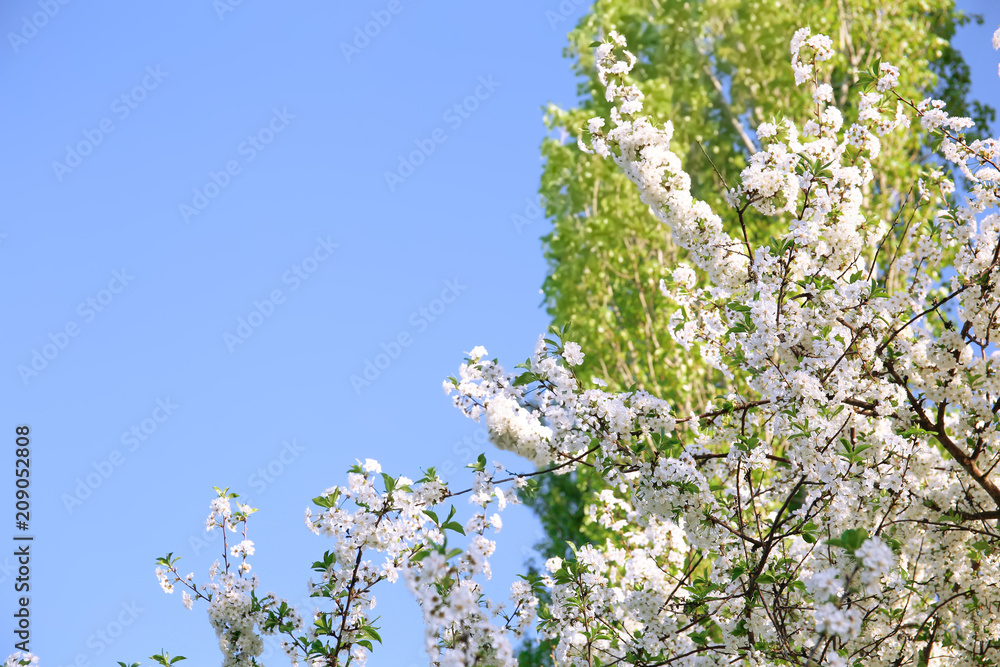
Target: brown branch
[
  {"x": 932, "y": 308},
  {"x": 724, "y": 411},
  {"x": 940, "y": 432}
]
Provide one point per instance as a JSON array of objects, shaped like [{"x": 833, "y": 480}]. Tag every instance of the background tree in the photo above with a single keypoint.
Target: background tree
[{"x": 717, "y": 69}]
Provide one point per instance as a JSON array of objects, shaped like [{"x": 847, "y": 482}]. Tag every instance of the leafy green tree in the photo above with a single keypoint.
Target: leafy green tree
[{"x": 717, "y": 69}]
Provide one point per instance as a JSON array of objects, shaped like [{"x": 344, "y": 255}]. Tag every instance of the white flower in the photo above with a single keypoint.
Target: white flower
[
  {"x": 765, "y": 130},
  {"x": 244, "y": 548},
  {"x": 825, "y": 584},
  {"x": 844, "y": 623},
  {"x": 732, "y": 197},
  {"x": 371, "y": 465},
  {"x": 572, "y": 354},
  {"x": 822, "y": 45},
  {"x": 823, "y": 93},
  {"x": 802, "y": 72},
  {"x": 478, "y": 352},
  {"x": 877, "y": 558},
  {"x": 684, "y": 276},
  {"x": 187, "y": 599},
  {"x": 834, "y": 660},
  {"x": 221, "y": 507},
  {"x": 890, "y": 79},
  {"x": 501, "y": 498},
  {"x": 165, "y": 583},
  {"x": 798, "y": 39}
]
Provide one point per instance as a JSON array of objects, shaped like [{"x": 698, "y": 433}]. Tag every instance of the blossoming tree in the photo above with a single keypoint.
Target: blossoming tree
[
  {"x": 717, "y": 69},
  {"x": 839, "y": 508}
]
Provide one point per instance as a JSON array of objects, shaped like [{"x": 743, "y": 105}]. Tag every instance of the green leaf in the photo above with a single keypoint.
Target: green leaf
[
  {"x": 390, "y": 483},
  {"x": 984, "y": 546},
  {"x": 370, "y": 633},
  {"x": 454, "y": 525},
  {"x": 329, "y": 501},
  {"x": 165, "y": 659},
  {"x": 850, "y": 540},
  {"x": 915, "y": 431},
  {"x": 479, "y": 465},
  {"x": 525, "y": 378}
]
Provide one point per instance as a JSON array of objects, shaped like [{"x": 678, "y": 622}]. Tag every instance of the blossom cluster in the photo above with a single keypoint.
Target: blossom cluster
[
  {"x": 838, "y": 504},
  {"x": 234, "y": 610},
  {"x": 379, "y": 534}
]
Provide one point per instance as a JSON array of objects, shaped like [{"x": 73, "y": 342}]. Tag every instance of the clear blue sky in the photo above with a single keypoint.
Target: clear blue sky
[{"x": 222, "y": 158}]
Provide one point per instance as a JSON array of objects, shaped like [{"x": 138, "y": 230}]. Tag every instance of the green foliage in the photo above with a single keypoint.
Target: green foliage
[
  {"x": 716, "y": 69},
  {"x": 850, "y": 540},
  {"x": 162, "y": 658}
]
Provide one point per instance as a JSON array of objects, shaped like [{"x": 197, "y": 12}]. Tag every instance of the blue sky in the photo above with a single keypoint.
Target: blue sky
[{"x": 202, "y": 248}]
